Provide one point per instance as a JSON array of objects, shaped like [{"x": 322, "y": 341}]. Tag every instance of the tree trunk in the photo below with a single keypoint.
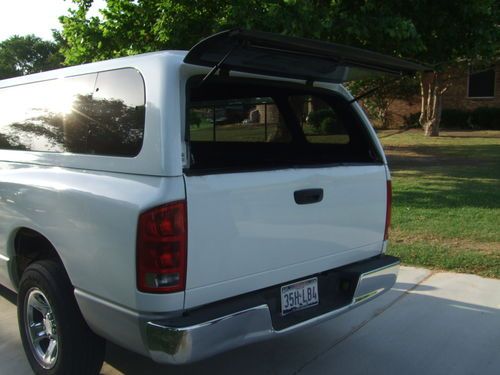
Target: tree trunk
[
  {"x": 431, "y": 92},
  {"x": 282, "y": 133},
  {"x": 383, "y": 112}
]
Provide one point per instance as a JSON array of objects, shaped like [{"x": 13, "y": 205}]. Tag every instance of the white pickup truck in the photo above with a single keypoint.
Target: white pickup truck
[{"x": 181, "y": 204}]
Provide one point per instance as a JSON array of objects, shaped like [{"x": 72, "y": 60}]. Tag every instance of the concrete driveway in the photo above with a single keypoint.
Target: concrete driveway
[{"x": 430, "y": 323}]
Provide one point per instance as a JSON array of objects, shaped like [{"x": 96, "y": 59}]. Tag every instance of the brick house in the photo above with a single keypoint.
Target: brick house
[
  {"x": 474, "y": 90},
  {"x": 467, "y": 92}
]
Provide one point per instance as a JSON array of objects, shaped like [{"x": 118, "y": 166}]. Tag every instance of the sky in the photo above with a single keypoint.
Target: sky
[{"x": 37, "y": 17}]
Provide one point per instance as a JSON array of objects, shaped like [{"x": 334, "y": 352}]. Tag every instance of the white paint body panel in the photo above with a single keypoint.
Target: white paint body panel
[
  {"x": 91, "y": 219},
  {"x": 161, "y": 151},
  {"x": 245, "y": 231}
]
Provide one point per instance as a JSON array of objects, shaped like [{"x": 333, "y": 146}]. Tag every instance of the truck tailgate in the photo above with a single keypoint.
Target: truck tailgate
[{"x": 247, "y": 232}]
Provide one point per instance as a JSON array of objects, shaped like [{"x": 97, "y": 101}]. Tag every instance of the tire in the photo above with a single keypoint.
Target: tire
[{"x": 55, "y": 337}]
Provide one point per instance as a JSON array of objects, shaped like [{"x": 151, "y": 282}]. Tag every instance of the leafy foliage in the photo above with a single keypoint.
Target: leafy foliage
[
  {"x": 486, "y": 118},
  {"x": 455, "y": 119},
  {"x": 388, "y": 90},
  {"x": 433, "y": 31},
  {"x": 411, "y": 120},
  {"x": 442, "y": 33},
  {"x": 21, "y": 55},
  {"x": 315, "y": 118},
  {"x": 328, "y": 125},
  {"x": 129, "y": 27}
]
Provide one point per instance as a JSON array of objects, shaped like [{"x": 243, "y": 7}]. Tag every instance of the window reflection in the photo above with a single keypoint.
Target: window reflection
[
  {"x": 255, "y": 119},
  {"x": 258, "y": 119},
  {"x": 66, "y": 115}
]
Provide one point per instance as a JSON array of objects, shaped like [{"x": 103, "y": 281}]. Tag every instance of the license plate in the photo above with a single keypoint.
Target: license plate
[{"x": 299, "y": 295}]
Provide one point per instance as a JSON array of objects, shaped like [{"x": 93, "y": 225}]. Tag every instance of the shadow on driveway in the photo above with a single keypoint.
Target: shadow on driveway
[{"x": 431, "y": 324}]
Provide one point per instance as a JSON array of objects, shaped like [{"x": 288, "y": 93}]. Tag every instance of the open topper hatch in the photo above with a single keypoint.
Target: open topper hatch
[{"x": 285, "y": 56}]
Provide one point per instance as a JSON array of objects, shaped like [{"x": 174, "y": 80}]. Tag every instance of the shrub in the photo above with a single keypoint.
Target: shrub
[
  {"x": 412, "y": 120},
  {"x": 455, "y": 119},
  {"x": 315, "y": 118},
  {"x": 486, "y": 118},
  {"x": 194, "y": 119},
  {"x": 328, "y": 125}
]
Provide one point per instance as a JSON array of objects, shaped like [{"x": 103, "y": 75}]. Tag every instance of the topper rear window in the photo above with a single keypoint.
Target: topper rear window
[{"x": 246, "y": 124}]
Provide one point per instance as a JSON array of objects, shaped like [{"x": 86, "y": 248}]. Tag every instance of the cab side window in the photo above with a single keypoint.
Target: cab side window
[{"x": 99, "y": 113}]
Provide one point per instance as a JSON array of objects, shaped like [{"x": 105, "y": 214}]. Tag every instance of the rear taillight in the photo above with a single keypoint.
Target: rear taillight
[
  {"x": 388, "y": 210},
  {"x": 161, "y": 249}
]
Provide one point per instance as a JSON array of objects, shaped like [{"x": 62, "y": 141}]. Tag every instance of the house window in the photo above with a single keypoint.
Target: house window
[{"x": 482, "y": 84}]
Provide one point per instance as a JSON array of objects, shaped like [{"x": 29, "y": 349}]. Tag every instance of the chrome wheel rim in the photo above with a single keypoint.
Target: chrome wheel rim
[{"x": 41, "y": 328}]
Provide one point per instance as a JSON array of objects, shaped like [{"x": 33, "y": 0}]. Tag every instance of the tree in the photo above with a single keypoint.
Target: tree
[
  {"x": 454, "y": 34},
  {"x": 437, "y": 32},
  {"x": 129, "y": 27},
  {"x": 21, "y": 55},
  {"x": 386, "y": 90},
  {"x": 444, "y": 34}
]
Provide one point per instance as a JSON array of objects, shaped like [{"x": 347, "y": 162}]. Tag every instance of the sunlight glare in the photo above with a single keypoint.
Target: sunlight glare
[{"x": 61, "y": 102}]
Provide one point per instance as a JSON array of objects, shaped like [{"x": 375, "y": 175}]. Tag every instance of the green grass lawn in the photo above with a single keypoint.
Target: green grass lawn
[
  {"x": 233, "y": 132},
  {"x": 256, "y": 133},
  {"x": 446, "y": 203}
]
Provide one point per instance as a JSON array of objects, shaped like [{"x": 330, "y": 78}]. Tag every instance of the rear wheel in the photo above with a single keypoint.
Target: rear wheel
[{"x": 54, "y": 334}]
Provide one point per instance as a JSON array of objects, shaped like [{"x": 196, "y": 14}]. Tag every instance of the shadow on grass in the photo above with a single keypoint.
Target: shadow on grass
[
  {"x": 452, "y": 187},
  {"x": 469, "y": 134},
  {"x": 401, "y": 157}
]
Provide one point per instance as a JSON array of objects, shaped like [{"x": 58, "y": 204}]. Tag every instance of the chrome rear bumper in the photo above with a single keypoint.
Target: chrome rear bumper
[{"x": 179, "y": 345}]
